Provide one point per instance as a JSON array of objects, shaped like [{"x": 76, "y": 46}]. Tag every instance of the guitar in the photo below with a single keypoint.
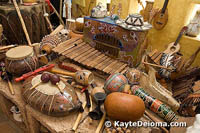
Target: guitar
[
  {"x": 161, "y": 18},
  {"x": 167, "y": 56},
  {"x": 174, "y": 47}
]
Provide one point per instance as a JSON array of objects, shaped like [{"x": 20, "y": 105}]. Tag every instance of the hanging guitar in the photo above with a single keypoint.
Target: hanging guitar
[
  {"x": 166, "y": 59},
  {"x": 161, "y": 18}
]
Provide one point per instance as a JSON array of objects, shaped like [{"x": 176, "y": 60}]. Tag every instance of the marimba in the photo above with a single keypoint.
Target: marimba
[{"x": 81, "y": 52}]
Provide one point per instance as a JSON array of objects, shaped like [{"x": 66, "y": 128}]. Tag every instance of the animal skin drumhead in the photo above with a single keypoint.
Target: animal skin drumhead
[{"x": 47, "y": 88}]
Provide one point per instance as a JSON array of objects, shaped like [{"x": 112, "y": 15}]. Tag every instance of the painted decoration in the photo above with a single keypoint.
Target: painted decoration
[{"x": 130, "y": 40}]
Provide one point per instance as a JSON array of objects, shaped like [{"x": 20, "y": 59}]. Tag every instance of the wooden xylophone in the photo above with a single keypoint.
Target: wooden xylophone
[{"x": 81, "y": 52}]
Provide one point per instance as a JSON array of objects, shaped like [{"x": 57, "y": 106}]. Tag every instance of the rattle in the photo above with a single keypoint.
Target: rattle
[{"x": 83, "y": 77}]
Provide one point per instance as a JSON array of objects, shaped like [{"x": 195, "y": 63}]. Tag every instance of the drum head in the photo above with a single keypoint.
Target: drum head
[
  {"x": 47, "y": 88},
  {"x": 80, "y": 20},
  {"x": 20, "y": 52}
]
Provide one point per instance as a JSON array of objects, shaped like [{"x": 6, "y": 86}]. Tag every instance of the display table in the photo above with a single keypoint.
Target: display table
[{"x": 33, "y": 120}]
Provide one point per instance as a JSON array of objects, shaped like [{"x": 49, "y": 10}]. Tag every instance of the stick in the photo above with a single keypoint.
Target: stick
[
  {"x": 101, "y": 123},
  {"x": 58, "y": 29},
  {"x": 11, "y": 87},
  {"x": 7, "y": 47},
  {"x": 46, "y": 16},
  {"x": 146, "y": 63},
  {"x": 154, "y": 119},
  {"x": 36, "y": 85},
  {"x": 22, "y": 22},
  {"x": 61, "y": 21},
  {"x": 61, "y": 8},
  {"x": 78, "y": 118}
]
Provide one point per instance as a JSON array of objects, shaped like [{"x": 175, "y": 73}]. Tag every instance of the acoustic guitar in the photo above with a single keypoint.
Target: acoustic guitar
[
  {"x": 174, "y": 47},
  {"x": 161, "y": 18}
]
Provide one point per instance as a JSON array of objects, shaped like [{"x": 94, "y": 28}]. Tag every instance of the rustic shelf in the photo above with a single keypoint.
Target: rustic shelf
[{"x": 7, "y": 101}]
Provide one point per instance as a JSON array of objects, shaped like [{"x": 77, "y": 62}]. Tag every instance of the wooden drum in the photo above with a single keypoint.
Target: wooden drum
[
  {"x": 79, "y": 24},
  {"x": 20, "y": 60},
  {"x": 115, "y": 83},
  {"x": 47, "y": 98}
]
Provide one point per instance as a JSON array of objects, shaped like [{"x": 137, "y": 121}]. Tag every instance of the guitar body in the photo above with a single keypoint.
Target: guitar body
[
  {"x": 160, "y": 20},
  {"x": 171, "y": 49}
]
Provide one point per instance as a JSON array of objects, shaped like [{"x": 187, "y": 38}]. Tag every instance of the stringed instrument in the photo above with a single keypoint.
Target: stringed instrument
[
  {"x": 168, "y": 54},
  {"x": 161, "y": 18},
  {"x": 174, "y": 47}
]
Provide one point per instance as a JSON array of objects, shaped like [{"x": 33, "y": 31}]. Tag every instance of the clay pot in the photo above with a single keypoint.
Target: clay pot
[
  {"x": 124, "y": 107},
  {"x": 115, "y": 83}
]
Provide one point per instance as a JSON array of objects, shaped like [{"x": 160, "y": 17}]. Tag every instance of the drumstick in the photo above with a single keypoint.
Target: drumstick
[
  {"x": 22, "y": 22},
  {"x": 91, "y": 109},
  {"x": 36, "y": 85},
  {"x": 46, "y": 16},
  {"x": 60, "y": 89},
  {"x": 11, "y": 87},
  {"x": 101, "y": 123},
  {"x": 7, "y": 47},
  {"x": 78, "y": 118}
]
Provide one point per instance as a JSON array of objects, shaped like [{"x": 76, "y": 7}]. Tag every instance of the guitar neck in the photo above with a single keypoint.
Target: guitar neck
[
  {"x": 178, "y": 38},
  {"x": 165, "y": 6}
]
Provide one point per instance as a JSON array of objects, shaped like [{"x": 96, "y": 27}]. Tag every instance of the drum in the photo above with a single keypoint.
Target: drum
[
  {"x": 79, "y": 24},
  {"x": 20, "y": 60},
  {"x": 115, "y": 83},
  {"x": 34, "y": 20},
  {"x": 47, "y": 98}
]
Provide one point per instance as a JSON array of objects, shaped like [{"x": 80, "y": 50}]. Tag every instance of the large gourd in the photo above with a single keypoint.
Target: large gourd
[{"x": 124, "y": 107}]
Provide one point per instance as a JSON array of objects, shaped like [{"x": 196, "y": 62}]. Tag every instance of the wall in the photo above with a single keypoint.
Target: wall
[{"x": 179, "y": 13}]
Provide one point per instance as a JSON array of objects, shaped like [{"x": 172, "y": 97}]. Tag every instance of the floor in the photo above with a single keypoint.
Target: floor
[{"x": 7, "y": 126}]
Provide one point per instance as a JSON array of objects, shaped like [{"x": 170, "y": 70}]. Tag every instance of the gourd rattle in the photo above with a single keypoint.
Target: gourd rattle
[{"x": 83, "y": 77}]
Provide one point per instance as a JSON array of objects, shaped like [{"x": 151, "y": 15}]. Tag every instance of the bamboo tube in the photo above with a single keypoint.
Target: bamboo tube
[
  {"x": 78, "y": 118},
  {"x": 22, "y": 22},
  {"x": 101, "y": 123}
]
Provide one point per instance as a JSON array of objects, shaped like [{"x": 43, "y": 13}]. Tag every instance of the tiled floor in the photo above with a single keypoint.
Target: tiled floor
[{"x": 7, "y": 126}]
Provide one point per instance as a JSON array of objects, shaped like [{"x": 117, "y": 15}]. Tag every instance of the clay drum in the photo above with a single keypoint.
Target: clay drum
[
  {"x": 47, "y": 98},
  {"x": 20, "y": 60}
]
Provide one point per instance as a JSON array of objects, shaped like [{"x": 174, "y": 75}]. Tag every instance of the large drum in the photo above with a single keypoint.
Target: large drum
[
  {"x": 34, "y": 20},
  {"x": 20, "y": 60},
  {"x": 47, "y": 98}
]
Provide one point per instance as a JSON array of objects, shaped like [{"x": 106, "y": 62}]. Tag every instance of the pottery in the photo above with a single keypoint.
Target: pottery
[
  {"x": 115, "y": 83},
  {"x": 124, "y": 107},
  {"x": 97, "y": 90}
]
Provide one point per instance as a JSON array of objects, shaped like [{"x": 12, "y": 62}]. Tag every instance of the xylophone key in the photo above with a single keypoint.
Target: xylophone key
[
  {"x": 99, "y": 61},
  {"x": 87, "y": 56},
  {"x": 91, "y": 58},
  {"x": 64, "y": 44},
  {"x": 121, "y": 68},
  {"x": 110, "y": 67},
  {"x": 118, "y": 65},
  {"x": 95, "y": 60},
  {"x": 103, "y": 62},
  {"x": 73, "y": 49},
  {"x": 69, "y": 46},
  {"x": 84, "y": 54},
  {"x": 80, "y": 51},
  {"x": 106, "y": 64}
]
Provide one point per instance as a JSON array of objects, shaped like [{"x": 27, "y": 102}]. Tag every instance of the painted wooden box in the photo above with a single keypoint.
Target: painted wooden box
[{"x": 113, "y": 40}]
